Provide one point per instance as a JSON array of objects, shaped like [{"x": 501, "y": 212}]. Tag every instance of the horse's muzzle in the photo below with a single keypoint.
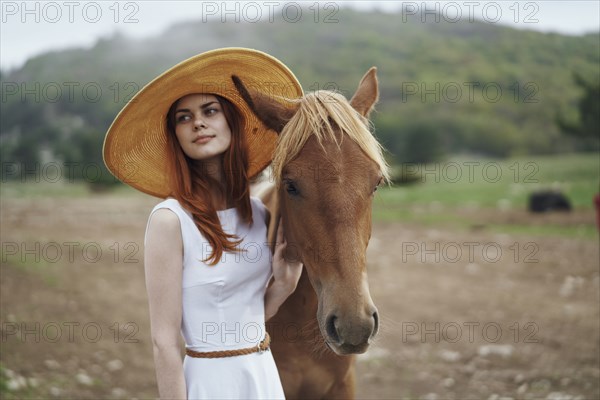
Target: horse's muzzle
[{"x": 351, "y": 335}]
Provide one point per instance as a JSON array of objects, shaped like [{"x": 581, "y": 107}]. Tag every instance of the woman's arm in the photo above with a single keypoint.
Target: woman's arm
[
  {"x": 163, "y": 255},
  {"x": 285, "y": 277}
]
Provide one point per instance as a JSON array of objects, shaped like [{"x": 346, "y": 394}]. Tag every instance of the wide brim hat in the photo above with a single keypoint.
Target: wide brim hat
[{"x": 135, "y": 146}]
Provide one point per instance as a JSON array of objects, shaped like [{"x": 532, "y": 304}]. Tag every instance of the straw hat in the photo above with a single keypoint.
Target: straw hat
[{"x": 135, "y": 147}]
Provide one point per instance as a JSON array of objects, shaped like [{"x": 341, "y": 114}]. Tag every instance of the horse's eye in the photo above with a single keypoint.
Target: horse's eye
[
  {"x": 291, "y": 188},
  {"x": 377, "y": 186}
]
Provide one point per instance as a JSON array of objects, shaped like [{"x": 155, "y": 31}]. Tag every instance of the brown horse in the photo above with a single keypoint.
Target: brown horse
[{"x": 327, "y": 166}]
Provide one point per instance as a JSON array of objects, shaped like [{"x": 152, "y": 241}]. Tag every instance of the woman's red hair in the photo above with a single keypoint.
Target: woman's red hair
[{"x": 191, "y": 186}]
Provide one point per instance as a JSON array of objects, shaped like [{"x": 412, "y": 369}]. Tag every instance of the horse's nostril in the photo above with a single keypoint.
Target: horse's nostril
[
  {"x": 332, "y": 329},
  {"x": 376, "y": 327}
]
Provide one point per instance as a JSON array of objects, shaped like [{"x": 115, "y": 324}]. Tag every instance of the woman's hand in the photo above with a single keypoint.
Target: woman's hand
[
  {"x": 286, "y": 275},
  {"x": 284, "y": 271}
]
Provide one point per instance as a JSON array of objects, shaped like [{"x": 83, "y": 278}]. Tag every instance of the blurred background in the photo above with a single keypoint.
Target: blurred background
[{"x": 484, "y": 260}]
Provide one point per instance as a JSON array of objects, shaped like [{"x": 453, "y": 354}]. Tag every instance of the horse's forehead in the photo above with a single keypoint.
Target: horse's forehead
[{"x": 346, "y": 158}]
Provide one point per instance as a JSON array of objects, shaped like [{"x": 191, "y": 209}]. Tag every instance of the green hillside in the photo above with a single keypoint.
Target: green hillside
[{"x": 446, "y": 88}]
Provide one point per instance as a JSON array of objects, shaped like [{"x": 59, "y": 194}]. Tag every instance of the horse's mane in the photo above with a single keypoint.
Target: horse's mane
[{"x": 318, "y": 113}]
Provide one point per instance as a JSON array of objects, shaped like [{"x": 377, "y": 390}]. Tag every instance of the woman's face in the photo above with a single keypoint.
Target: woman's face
[{"x": 201, "y": 127}]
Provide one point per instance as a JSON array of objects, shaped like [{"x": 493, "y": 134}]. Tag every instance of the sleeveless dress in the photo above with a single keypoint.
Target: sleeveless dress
[{"x": 223, "y": 309}]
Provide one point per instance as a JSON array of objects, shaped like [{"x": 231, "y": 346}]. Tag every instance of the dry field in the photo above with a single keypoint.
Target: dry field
[{"x": 469, "y": 314}]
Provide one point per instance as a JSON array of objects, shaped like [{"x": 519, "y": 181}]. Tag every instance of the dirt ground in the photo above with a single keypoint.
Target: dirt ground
[{"x": 465, "y": 315}]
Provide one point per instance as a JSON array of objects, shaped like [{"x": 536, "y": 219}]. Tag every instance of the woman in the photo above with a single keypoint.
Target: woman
[{"x": 188, "y": 137}]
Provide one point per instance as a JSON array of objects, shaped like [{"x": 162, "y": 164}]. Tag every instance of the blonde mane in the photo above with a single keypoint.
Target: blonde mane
[{"x": 318, "y": 112}]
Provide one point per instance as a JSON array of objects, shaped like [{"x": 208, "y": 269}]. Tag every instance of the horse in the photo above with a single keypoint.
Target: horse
[{"x": 327, "y": 166}]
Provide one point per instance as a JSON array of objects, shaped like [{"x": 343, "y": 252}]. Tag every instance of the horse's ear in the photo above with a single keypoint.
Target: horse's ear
[
  {"x": 367, "y": 93},
  {"x": 271, "y": 112}
]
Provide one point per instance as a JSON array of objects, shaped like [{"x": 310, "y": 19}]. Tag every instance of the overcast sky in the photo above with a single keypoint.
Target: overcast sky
[{"x": 33, "y": 27}]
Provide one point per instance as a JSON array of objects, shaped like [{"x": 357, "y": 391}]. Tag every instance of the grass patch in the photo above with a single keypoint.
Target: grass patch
[
  {"x": 61, "y": 189},
  {"x": 476, "y": 187},
  {"x": 498, "y": 183},
  {"x": 575, "y": 232}
]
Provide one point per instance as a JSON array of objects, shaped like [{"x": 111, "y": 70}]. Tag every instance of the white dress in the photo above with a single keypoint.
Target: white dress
[{"x": 223, "y": 309}]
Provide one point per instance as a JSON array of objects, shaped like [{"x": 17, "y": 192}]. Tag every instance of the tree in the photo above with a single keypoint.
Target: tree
[{"x": 588, "y": 125}]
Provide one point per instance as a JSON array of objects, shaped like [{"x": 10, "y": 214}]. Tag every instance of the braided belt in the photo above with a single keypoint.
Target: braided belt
[{"x": 259, "y": 348}]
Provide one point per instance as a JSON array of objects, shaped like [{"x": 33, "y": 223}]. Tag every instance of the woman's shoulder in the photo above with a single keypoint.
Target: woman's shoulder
[
  {"x": 168, "y": 211},
  {"x": 169, "y": 203},
  {"x": 164, "y": 218},
  {"x": 173, "y": 205}
]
